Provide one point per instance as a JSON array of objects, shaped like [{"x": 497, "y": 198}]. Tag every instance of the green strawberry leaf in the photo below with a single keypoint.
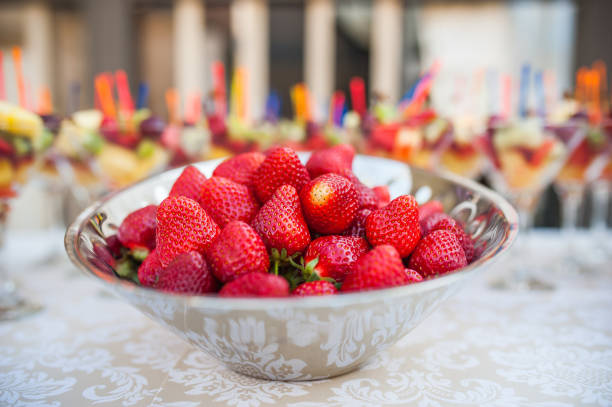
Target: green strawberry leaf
[{"x": 139, "y": 254}]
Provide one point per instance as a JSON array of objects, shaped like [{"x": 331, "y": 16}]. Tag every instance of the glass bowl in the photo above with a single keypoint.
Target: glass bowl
[{"x": 300, "y": 338}]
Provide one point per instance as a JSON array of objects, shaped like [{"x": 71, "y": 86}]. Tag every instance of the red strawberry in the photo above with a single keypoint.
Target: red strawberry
[
  {"x": 280, "y": 222},
  {"x": 236, "y": 251},
  {"x": 413, "y": 276},
  {"x": 103, "y": 256},
  {"x": 429, "y": 222},
  {"x": 188, "y": 183},
  {"x": 138, "y": 228},
  {"x": 366, "y": 196},
  {"x": 396, "y": 224},
  {"x": 225, "y": 200},
  {"x": 113, "y": 244},
  {"x": 437, "y": 253},
  {"x": 281, "y": 166},
  {"x": 429, "y": 208},
  {"x": 329, "y": 203},
  {"x": 182, "y": 226},
  {"x": 256, "y": 285},
  {"x": 381, "y": 267},
  {"x": 357, "y": 227},
  {"x": 382, "y": 193},
  {"x": 6, "y": 148},
  {"x": 319, "y": 287},
  {"x": 240, "y": 168},
  {"x": 187, "y": 274},
  {"x": 336, "y": 254},
  {"x": 149, "y": 270},
  {"x": 333, "y": 159},
  {"x": 452, "y": 225}
]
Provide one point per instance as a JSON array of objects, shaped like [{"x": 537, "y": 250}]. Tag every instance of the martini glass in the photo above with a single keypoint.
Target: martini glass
[
  {"x": 584, "y": 165},
  {"x": 525, "y": 156},
  {"x": 21, "y": 137},
  {"x": 464, "y": 156},
  {"x": 600, "y": 195}
]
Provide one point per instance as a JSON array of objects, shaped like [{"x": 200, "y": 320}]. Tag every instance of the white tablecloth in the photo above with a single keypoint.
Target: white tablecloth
[{"x": 481, "y": 348}]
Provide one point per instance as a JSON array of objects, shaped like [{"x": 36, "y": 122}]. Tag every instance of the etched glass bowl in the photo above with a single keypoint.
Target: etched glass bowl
[{"x": 300, "y": 338}]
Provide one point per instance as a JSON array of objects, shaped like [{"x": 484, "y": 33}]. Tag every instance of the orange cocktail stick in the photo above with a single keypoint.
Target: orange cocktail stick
[
  {"x": 105, "y": 96},
  {"x": 126, "y": 105},
  {"x": 45, "y": 103},
  {"x": 601, "y": 68},
  {"x": 580, "y": 93},
  {"x": 2, "y": 94},
  {"x": 172, "y": 104},
  {"x": 19, "y": 74}
]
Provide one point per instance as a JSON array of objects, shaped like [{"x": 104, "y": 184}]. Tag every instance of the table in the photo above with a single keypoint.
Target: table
[{"x": 481, "y": 348}]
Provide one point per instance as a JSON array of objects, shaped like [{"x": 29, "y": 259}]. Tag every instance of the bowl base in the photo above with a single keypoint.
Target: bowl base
[{"x": 302, "y": 378}]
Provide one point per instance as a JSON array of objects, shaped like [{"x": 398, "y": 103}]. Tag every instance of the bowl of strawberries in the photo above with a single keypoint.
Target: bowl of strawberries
[{"x": 292, "y": 266}]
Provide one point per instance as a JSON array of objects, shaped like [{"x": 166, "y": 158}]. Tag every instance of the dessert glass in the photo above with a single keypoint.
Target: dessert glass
[
  {"x": 22, "y": 137},
  {"x": 525, "y": 156}
]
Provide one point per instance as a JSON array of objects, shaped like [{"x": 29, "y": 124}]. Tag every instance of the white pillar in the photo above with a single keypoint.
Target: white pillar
[
  {"x": 386, "y": 48},
  {"x": 319, "y": 52},
  {"x": 250, "y": 31},
  {"x": 189, "y": 46},
  {"x": 38, "y": 47}
]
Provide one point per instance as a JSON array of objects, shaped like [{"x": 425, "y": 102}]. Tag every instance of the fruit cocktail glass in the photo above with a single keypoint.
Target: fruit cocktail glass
[
  {"x": 524, "y": 156},
  {"x": 583, "y": 166},
  {"x": 22, "y": 137},
  {"x": 419, "y": 140},
  {"x": 600, "y": 195},
  {"x": 463, "y": 155}
]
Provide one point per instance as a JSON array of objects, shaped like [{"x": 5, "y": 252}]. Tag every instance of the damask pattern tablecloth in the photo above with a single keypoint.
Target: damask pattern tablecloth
[{"x": 481, "y": 348}]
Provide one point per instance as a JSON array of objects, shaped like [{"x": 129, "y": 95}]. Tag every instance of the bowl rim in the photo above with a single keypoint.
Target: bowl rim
[{"x": 213, "y": 301}]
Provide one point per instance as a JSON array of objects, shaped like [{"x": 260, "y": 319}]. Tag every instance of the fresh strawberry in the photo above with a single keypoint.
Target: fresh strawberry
[
  {"x": 452, "y": 225},
  {"x": 413, "y": 276},
  {"x": 225, "y": 200},
  {"x": 437, "y": 253},
  {"x": 187, "y": 274},
  {"x": 319, "y": 287},
  {"x": 113, "y": 244},
  {"x": 282, "y": 166},
  {"x": 357, "y": 227},
  {"x": 182, "y": 226},
  {"x": 329, "y": 203},
  {"x": 103, "y": 256},
  {"x": 188, "y": 183},
  {"x": 397, "y": 224},
  {"x": 149, "y": 270},
  {"x": 381, "y": 267},
  {"x": 138, "y": 228},
  {"x": 256, "y": 285},
  {"x": 280, "y": 222},
  {"x": 336, "y": 254},
  {"x": 333, "y": 159},
  {"x": 541, "y": 153},
  {"x": 240, "y": 168},
  {"x": 382, "y": 193},
  {"x": 429, "y": 222},
  {"x": 428, "y": 209},
  {"x": 366, "y": 196},
  {"x": 6, "y": 148},
  {"x": 236, "y": 251}
]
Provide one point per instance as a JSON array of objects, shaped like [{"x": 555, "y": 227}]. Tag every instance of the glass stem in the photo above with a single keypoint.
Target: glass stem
[
  {"x": 570, "y": 203},
  {"x": 601, "y": 198}
]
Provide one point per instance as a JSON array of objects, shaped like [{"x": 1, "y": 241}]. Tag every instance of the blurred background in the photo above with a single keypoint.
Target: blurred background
[
  {"x": 172, "y": 43},
  {"x": 389, "y": 44}
]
